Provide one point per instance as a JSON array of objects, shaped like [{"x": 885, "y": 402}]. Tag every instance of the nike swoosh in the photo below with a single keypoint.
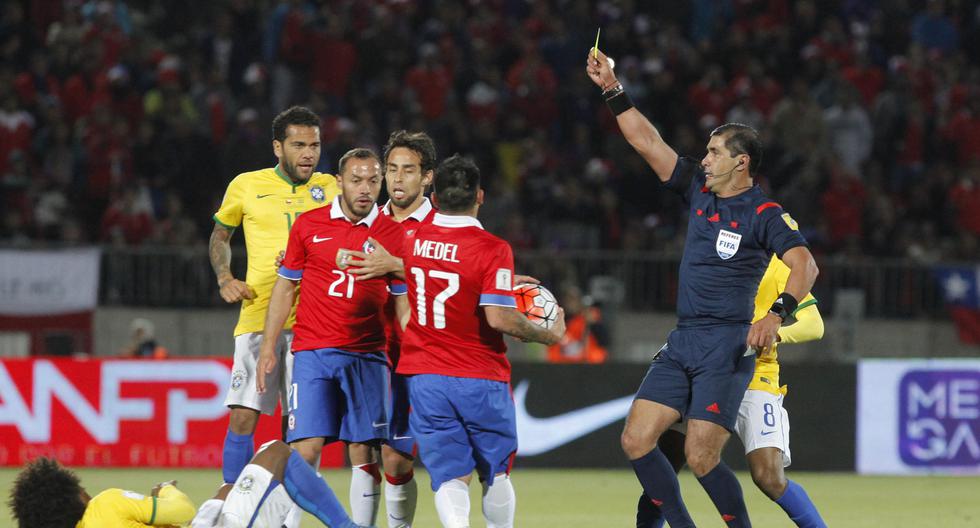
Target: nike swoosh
[
  {"x": 764, "y": 433},
  {"x": 260, "y": 196},
  {"x": 540, "y": 435},
  {"x": 317, "y": 239},
  {"x": 370, "y": 494},
  {"x": 376, "y": 424},
  {"x": 396, "y": 437}
]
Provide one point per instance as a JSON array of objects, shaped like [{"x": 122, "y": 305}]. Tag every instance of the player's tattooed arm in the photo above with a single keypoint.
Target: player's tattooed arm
[
  {"x": 378, "y": 263},
  {"x": 511, "y": 322},
  {"x": 280, "y": 304},
  {"x": 219, "y": 250}
]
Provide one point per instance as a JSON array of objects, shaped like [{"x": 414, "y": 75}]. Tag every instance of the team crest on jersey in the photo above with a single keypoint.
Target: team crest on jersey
[
  {"x": 317, "y": 193},
  {"x": 727, "y": 244},
  {"x": 238, "y": 378},
  {"x": 245, "y": 485},
  {"x": 292, "y": 422},
  {"x": 790, "y": 222},
  {"x": 368, "y": 247}
]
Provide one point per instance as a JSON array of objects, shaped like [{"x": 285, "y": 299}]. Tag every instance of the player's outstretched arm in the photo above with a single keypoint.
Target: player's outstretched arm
[
  {"x": 219, "y": 250},
  {"x": 511, "y": 322},
  {"x": 280, "y": 304},
  {"x": 808, "y": 326},
  {"x": 636, "y": 128}
]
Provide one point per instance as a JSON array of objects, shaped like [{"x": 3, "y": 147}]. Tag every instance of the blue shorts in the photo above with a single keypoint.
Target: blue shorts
[
  {"x": 400, "y": 436},
  {"x": 338, "y": 395},
  {"x": 702, "y": 372},
  {"x": 463, "y": 424}
]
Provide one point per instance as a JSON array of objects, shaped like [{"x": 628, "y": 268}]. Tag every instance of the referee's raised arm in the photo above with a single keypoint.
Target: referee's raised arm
[{"x": 638, "y": 130}]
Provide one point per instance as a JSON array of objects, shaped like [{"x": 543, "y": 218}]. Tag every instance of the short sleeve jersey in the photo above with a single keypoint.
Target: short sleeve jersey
[
  {"x": 728, "y": 246},
  {"x": 116, "y": 508},
  {"x": 336, "y": 311},
  {"x": 266, "y": 204},
  {"x": 423, "y": 215},
  {"x": 454, "y": 268}
]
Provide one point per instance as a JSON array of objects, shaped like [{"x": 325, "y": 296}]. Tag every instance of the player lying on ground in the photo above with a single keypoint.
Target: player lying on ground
[
  {"x": 265, "y": 490},
  {"x": 46, "y": 494},
  {"x": 763, "y": 424}
]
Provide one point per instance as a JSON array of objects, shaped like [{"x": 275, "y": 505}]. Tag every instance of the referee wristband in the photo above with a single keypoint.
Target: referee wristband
[
  {"x": 617, "y": 99},
  {"x": 784, "y": 306}
]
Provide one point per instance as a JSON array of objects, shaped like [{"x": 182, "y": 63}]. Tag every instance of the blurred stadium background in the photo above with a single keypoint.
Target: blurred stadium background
[{"x": 121, "y": 123}]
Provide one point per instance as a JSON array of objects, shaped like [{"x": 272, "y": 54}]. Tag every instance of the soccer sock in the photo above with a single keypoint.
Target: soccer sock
[
  {"x": 499, "y": 503},
  {"x": 312, "y": 493},
  {"x": 801, "y": 510},
  {"x": 401, "y": 495},
  {"x": 453, "y": 504},
  {"x": 293, "y": 517},
  {"x": 660, "y": 484},
  {"x": 723, "y": 488},
  {"x": 648, "y": 514},
  {"x": 237, "y": 452},
  {"x": 365, "y": 493}
]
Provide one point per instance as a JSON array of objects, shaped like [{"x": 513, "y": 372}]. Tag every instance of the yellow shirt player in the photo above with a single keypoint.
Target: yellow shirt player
[
  {"x": 265, "y": 203},
  {"x": 47, "y": 494}
]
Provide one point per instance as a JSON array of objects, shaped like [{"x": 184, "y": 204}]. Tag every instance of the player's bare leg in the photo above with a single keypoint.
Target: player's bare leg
[
  {"x": 766, "y": 465},
  {"x": 453, "y": 502},
  {"x": 499, "y": 502},
  {"x": 365, "y": 484},
  {"x": 702, "y": 447},
  {"x": 401, "y": 490}
]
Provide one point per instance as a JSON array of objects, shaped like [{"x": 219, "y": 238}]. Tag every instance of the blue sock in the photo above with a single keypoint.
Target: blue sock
[
  {"x": 660, "y": 484},
  {"x": 237, "y": 452},
  {"x": 725, "y": 491},
  {"x": 648, "y": 514},
  {"x": 312, "y": 493},
  {"x": 797, "y": 504}
]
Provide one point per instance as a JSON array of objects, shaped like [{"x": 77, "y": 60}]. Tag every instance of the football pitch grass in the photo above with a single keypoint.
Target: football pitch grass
[{"x": 607, "y": 498}]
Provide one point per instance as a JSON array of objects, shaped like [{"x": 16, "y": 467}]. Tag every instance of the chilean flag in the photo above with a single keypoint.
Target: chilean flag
[{"x": 961, "y": 289}]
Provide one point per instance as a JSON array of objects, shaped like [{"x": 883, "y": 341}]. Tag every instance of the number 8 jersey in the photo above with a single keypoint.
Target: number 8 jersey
[
  {"x": 334, "y": 310},
  {"x": 454, "y": 268}
]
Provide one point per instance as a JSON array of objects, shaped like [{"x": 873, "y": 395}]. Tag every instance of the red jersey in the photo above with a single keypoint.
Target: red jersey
[
  {"x": 393, "y": 330},
  {"x": 453, "y": 268},
  {"x": 334, "y": 310}
]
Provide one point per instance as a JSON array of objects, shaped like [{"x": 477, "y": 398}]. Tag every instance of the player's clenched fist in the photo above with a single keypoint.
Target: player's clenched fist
[{"x": 234, "y": 290}]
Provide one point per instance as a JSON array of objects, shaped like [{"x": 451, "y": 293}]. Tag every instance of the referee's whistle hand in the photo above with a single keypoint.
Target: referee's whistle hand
[{"x": 763, "y": 332}]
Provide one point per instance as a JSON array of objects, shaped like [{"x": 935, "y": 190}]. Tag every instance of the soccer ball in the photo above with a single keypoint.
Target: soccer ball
[{"x": 537, "y": 304}]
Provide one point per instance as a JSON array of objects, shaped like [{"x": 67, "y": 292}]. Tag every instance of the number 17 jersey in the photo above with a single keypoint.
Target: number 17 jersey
[{"x": 453, "y": 269}]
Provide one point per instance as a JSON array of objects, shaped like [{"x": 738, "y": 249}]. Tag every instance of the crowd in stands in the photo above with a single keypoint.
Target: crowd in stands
[{"x": 121, "y": 122}]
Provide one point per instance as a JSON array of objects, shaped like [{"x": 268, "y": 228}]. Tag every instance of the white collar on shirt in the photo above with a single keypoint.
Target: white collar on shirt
[
  {"x": 337, "y": 212},
  {"x": 443, "y": 220},
  {"x": 419, "y": 213}
]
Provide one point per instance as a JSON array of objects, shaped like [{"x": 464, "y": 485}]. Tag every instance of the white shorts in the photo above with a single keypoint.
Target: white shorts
[
  {"x": 252, "y": 498},
  {"x": 762, "y": 422},
  {"x": 242, "y": 391}
]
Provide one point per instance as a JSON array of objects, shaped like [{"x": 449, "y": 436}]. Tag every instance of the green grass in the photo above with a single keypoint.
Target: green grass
[{"x": 598, "y": 498}]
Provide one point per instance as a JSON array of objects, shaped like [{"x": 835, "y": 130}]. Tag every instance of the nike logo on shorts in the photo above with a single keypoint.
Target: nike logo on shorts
[
  {"x": 764, "y": 433},
  {"x": 396, "y": 437},
  {"x": 317, "y": 239},
  {"x": 377, "y": 424}
]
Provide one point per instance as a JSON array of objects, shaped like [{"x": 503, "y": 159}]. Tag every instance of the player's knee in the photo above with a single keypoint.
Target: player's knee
[
  {"x": 701, "y": 460},
  {"x": 396, "y": 464},
  {"x": 242, "y": 420},
  {"x": 769, "y": 480},
  {"x": 636, "y": 443}
]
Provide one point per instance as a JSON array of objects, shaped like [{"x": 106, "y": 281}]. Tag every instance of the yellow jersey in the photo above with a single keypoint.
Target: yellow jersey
[
  {"x": 808, "y": 325},
  {"x": 266, "y": 203},
  {"x": 116, "y": 508}
]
